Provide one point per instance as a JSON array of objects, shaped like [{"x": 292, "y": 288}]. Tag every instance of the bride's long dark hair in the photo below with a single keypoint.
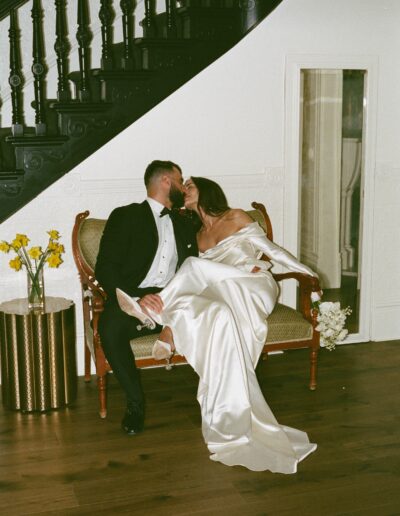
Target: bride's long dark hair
[{"x": 212, "y": 199}]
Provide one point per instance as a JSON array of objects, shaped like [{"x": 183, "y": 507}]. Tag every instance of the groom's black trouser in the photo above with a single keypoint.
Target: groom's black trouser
[{"x": 116, "y": 329}]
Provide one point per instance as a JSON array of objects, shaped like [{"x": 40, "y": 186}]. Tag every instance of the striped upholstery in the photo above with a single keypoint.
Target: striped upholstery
[
  {"x": 90, "y": 235},
  {"x": 284, "y": 325},
  {"x": 287, "y": 325},
  {"x": 257, "y": 216}
]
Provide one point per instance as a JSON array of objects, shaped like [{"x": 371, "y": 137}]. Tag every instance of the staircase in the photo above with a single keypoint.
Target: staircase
[{"x": 94, "y": 105}]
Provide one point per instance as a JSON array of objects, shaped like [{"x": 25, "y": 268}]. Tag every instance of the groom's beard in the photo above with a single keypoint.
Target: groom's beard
[{"x": 176, "y": 197}]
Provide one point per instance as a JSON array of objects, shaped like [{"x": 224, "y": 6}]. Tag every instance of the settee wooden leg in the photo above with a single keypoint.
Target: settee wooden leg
[
  {"x": 88, "y": 358},
  {"x": 102, "y": 389},
  {"x": 313, "y": 369}
]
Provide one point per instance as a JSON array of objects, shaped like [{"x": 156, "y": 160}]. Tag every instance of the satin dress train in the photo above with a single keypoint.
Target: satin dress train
[{"x": 217, "y": 309}]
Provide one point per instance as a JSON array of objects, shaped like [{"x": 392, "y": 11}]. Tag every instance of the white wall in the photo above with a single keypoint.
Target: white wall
[{"x": 228, "y": 124}]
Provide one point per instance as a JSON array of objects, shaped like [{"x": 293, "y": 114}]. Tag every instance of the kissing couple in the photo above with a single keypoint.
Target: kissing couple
[{"x": 200, "y": 284}]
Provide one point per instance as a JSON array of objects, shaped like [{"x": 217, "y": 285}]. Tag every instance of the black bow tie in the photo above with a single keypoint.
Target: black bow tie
[{"x": 165, "y": 211}]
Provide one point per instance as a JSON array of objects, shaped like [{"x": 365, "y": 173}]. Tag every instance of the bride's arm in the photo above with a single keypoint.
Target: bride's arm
[{"x": 279, "y": 255}]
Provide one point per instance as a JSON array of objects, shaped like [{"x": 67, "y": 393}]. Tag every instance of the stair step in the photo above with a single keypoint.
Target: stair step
[
  {"x": 35, "y": 141},
  {"x": 123, "y": 86},
  {"x": 161, "y": 54},
  {"x": 211, "y": 24}
]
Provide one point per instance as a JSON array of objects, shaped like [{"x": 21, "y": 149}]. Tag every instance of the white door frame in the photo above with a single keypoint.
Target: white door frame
[{"x": 294, "y": 64}]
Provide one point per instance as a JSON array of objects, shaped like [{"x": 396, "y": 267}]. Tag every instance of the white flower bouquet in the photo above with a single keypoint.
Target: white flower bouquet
[{"x": 331, "y": 320}]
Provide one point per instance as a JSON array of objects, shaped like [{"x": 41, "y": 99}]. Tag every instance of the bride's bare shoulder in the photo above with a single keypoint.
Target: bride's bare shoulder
[{"x": 240, "y": 217}]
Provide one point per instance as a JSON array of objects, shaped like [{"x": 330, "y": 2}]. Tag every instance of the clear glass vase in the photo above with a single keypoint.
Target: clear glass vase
[{"x": 36, "y": 290}]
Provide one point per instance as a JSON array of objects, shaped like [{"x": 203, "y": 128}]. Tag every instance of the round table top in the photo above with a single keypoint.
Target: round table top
[{"x": 20, "y": 306}]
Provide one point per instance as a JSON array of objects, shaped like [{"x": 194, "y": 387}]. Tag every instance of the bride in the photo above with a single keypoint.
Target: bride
[{"x": 214, "y": 312}]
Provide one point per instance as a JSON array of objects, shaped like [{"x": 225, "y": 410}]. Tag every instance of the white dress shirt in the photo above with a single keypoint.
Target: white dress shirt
[{"x": 165, "y": 261}]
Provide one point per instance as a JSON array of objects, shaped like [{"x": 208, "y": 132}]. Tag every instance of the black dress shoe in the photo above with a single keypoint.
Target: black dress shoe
[{"x": 133, "y": 420}]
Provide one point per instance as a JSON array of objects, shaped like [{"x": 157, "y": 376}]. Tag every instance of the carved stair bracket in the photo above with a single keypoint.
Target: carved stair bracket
[
  {"x": 33, "y": 152},
  {"x": 77, "y": 120},
  {"x": 11, "y": 182}
]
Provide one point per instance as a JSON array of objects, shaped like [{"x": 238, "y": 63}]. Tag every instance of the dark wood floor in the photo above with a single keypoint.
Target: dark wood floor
[{"x": 71, "y": 462}]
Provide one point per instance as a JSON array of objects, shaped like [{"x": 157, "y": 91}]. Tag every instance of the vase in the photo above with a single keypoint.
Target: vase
[{"x": 35, "y": 290}]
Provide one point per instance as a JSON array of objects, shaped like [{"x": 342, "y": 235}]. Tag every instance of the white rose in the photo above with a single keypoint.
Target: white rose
[{"x": 315, "y": 297}]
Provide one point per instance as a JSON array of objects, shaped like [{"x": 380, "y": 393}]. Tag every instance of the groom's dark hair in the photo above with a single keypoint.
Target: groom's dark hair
[
  {"x": 157, "y": 168},
  {"x": 211, "y": 196}
]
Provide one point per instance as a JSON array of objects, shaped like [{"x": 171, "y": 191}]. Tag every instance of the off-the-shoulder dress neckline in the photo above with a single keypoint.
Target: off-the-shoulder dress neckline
[{"x": 228, "y": 237}]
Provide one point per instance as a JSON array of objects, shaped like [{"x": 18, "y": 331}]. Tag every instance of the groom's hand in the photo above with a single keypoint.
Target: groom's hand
[{"x": 151, "y": 302}]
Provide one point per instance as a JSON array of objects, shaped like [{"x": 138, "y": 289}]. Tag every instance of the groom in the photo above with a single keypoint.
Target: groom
[{"x": 141, "y": 248}]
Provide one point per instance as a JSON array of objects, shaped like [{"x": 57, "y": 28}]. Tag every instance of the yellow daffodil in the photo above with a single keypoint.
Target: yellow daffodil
[
  {"x": 56, "y": 247},
  {"x": 16, "y": 263},
  {"x": 54, "y": 260},
  {"x": 4, "y": 247},
  {"x": 16, "y": 244},
  {"x": 54, "y": 234},
  {"x": 52, "y": 253},
  {"x": 35, "y": 252},
  {"x": 23, "y": 239}
]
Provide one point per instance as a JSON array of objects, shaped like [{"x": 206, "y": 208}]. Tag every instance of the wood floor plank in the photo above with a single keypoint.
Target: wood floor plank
[{"x": 71, "y": 462}]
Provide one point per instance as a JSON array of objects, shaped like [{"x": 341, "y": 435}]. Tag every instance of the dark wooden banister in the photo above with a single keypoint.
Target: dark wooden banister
[
  {"x": 7, "y": 5},
  {"x": 135, "y": 75},
  {"x": 16, "y": 79},
  {"x": 62, "y": 48},
  {"x": 84, "y": 37},
  {"x": 39, "y": 68}
]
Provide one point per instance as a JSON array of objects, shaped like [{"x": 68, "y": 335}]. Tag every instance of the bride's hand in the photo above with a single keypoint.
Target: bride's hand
[{"x": 151, "y": 302}]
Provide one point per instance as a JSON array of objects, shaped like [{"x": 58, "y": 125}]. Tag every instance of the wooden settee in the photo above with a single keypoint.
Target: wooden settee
[{"x": 287, "y": 328}]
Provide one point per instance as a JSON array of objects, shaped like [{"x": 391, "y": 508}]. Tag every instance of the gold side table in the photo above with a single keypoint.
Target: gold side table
[{"x": 37, "y": 355}]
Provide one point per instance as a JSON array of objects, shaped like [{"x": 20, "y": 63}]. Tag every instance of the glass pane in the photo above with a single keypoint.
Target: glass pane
[{"x": 331, "y": 176}]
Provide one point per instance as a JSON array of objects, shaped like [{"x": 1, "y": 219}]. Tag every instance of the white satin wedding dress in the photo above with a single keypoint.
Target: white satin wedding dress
[{"x": 217, "y": 309}]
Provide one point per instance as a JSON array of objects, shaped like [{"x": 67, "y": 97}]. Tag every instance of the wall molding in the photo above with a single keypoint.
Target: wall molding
[{"x": 268, "y": 178}]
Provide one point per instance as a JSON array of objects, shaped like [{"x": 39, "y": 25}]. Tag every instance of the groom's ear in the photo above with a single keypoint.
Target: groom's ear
[{"x": 166, "y": 180}]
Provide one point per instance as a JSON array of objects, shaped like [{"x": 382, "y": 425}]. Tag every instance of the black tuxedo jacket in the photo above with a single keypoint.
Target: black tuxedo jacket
[{"x": 129, "y": 245}]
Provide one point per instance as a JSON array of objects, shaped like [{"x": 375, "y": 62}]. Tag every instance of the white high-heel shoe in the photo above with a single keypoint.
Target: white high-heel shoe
[
  {"x": 132, "y": 307},
  {"x": 162, "y": 350}
]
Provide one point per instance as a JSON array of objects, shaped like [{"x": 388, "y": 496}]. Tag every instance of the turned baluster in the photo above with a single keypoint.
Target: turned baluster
[
  {"x": 149, "y": 29},
  {"x": 127, "y": 58},
  {"x": 170, "y": 19},
  {"x": 38, "y": 67},
  {"x": 106, "y": 15},
  {"x": 16, "y": 78},
  {"x": 84, "y": 37},
  {"x": 62, "y": 48}
]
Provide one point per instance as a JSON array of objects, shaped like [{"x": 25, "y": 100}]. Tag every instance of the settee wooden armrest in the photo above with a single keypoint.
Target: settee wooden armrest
[{"x": 307, "y": 285}]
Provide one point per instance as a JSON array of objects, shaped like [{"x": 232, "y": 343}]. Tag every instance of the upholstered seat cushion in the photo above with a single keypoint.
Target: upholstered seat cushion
[
  {"x": 287, "y": 325},
  {"x": 284, "y": 325}
]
